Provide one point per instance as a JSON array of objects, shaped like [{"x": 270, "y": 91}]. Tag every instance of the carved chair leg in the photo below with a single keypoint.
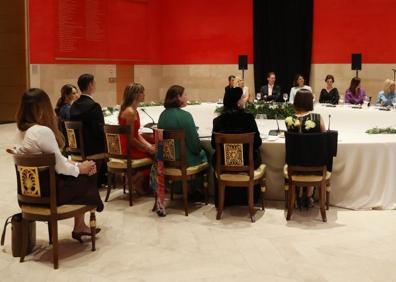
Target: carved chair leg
[
  {"x": 322, "y": 195},
  {"x": 206, "y": 188},
  {"x": 109, "y": 185},
  {"x": 291, "y": 200},
  {"x": 24, "y": 245},
  {"x": 250, "y": 203},
  {"x": 185, "y": 196},
  {"x": 129, "y": 179},
  {"x": 220, "y": 207},
  {"x": 92, "y": 224},
  {"x": 54, "y": 230},
  {"x": 49, "y": 233},
  {"x": 327, "y": 200}
]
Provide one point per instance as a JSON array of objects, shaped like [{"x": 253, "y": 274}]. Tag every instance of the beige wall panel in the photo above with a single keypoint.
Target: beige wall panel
[
  {"x": 150, "y": 77},
  {"x": 52, "y": 77},
  {"x": 202, "y": 82},
  {"x": 372, "y": 75}
]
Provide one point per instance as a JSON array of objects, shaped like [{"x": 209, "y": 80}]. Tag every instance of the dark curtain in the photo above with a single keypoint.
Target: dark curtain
[{"x": 282, "y": 40}]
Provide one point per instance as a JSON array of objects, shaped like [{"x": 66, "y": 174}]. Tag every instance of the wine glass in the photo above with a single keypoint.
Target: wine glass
[
  {"x": 394, "y": 103},
  {"x": 366, "y": 101},
  {"x": 285, "y": 97},
  {"x": 258, "y": 96}
]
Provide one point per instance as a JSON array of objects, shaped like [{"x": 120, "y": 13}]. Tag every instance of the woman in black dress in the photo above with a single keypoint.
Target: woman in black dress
[
  {"x": 304, "y": 121},
  {"x": 329, "y": 95},
  {"x": 235, "y": 120}
]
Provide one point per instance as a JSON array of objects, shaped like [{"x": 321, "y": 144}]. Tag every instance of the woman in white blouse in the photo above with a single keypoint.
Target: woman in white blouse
[
  {"x": 38, "y": 133},
  {"x": 298, "y": 84}
]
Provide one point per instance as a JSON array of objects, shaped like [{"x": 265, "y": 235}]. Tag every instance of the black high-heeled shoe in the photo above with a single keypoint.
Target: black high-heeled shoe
[
  {"x": 300, "y": 202},
  {"x": 308, "y": 203},
  {"x": 78, "y": 235}
]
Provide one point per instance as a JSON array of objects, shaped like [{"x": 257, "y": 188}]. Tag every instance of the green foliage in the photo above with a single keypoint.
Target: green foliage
[
  {"x": 377, "y": 130},
  {"x": 270, "y": 109}
]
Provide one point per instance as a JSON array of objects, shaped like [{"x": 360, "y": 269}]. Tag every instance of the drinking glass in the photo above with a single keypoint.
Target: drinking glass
[
  {"x": 285, "y": 97},
  {"x": 394, "y": 103},
  {"x": 366, "y": 101}
]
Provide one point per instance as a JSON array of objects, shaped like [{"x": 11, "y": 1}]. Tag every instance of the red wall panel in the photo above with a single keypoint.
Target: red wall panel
[
  {"x": 206, "y": 31},
  {"x": 354, "y": 26},
  {"x": 199, "y": 32}
]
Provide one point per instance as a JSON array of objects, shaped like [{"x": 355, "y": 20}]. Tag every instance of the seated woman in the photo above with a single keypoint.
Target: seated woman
[
  {"x": 388, "y": 95},
  {"x": 299, "y": 83},
  {"x": 140, "y": 147},
  {"x": 329, "y": 95},
  {"x": 174, "y": 118},
  {"x": 246, "y": 96},
  {"x": 69, "y": 93},
  {"x": 38, "y": 133},
  {"x": 235, "y": 120},
  {"x": 355, "y": 94},
  {"x": 304, "y": 121}
]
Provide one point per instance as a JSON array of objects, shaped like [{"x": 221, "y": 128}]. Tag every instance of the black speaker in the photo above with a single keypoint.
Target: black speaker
[
  {"x": 243, "y": 62},
  {"x": 357, "y": 61}
]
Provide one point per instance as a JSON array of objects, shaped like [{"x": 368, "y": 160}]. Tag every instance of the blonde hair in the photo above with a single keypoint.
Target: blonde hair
[
  {"x": 387, "y": 85},
  {"x": 237, "y": 81}
]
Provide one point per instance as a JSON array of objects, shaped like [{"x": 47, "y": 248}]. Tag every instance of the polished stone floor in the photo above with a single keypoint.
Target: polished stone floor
[{"x": 136, "y": 245}]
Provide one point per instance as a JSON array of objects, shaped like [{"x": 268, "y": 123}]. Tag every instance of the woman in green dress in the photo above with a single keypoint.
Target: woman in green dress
[{"x": 175, "y": 118}]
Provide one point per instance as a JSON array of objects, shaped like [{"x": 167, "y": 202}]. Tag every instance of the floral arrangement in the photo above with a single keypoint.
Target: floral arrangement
[
  {"x": 108, "y": 111},
  {"x": 377, "y": 130},
  {"x": 153, "y": 104},
  {"x": 294, "y": 123},
  {"x": 270, "y": 109}
]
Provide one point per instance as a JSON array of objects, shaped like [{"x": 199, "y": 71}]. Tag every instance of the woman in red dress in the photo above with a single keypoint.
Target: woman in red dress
[{"x": 140, "y": 147}]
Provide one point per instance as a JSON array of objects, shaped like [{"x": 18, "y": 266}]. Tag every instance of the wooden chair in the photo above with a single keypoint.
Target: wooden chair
[
  {"x": 35, "y": 206},
  {"x": 286, "y": 186},
  {"x": 175, "y": 169},
  {"x": 307, "y": 158},
  {"x": 120, "y": 162},
  {"x": 231, "y": 170},
  {"x": 76, "y": 144}
]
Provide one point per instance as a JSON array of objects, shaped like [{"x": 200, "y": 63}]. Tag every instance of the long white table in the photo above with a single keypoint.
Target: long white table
[{"x": 363, "y": 172}]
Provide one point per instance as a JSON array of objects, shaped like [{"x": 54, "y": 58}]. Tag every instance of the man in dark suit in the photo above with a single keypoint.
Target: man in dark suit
[
  {"x": 89, "y": 112},
  {"x": 271, "y": 92},
  {"x": 230, "y": 85}
]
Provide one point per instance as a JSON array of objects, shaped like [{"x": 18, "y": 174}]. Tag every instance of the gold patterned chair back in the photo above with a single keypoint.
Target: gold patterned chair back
[
  {"x": 71, "y": 138},
  {"x": 114, "y": 147},
  {"x": 174, "y": 148},
  {"x": 29, "y": 181},
  {"x": 169, "y": 150},
  {"x": 233, "y": 154},
  {"x": 35, "y": 177},
  {"x": 113, "y": 144},
  {"x": 75, "y": 139}
]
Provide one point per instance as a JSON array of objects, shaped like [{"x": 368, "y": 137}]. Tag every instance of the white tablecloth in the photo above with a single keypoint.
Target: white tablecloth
[{"x": 363, "y": 171}]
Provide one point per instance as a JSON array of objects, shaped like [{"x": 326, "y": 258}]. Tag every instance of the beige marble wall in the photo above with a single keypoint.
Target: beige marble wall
[
  {"x": 372, "y": 75},
  {"x": 52, "y": 77},
  {"x": 202, "y": 82}
]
